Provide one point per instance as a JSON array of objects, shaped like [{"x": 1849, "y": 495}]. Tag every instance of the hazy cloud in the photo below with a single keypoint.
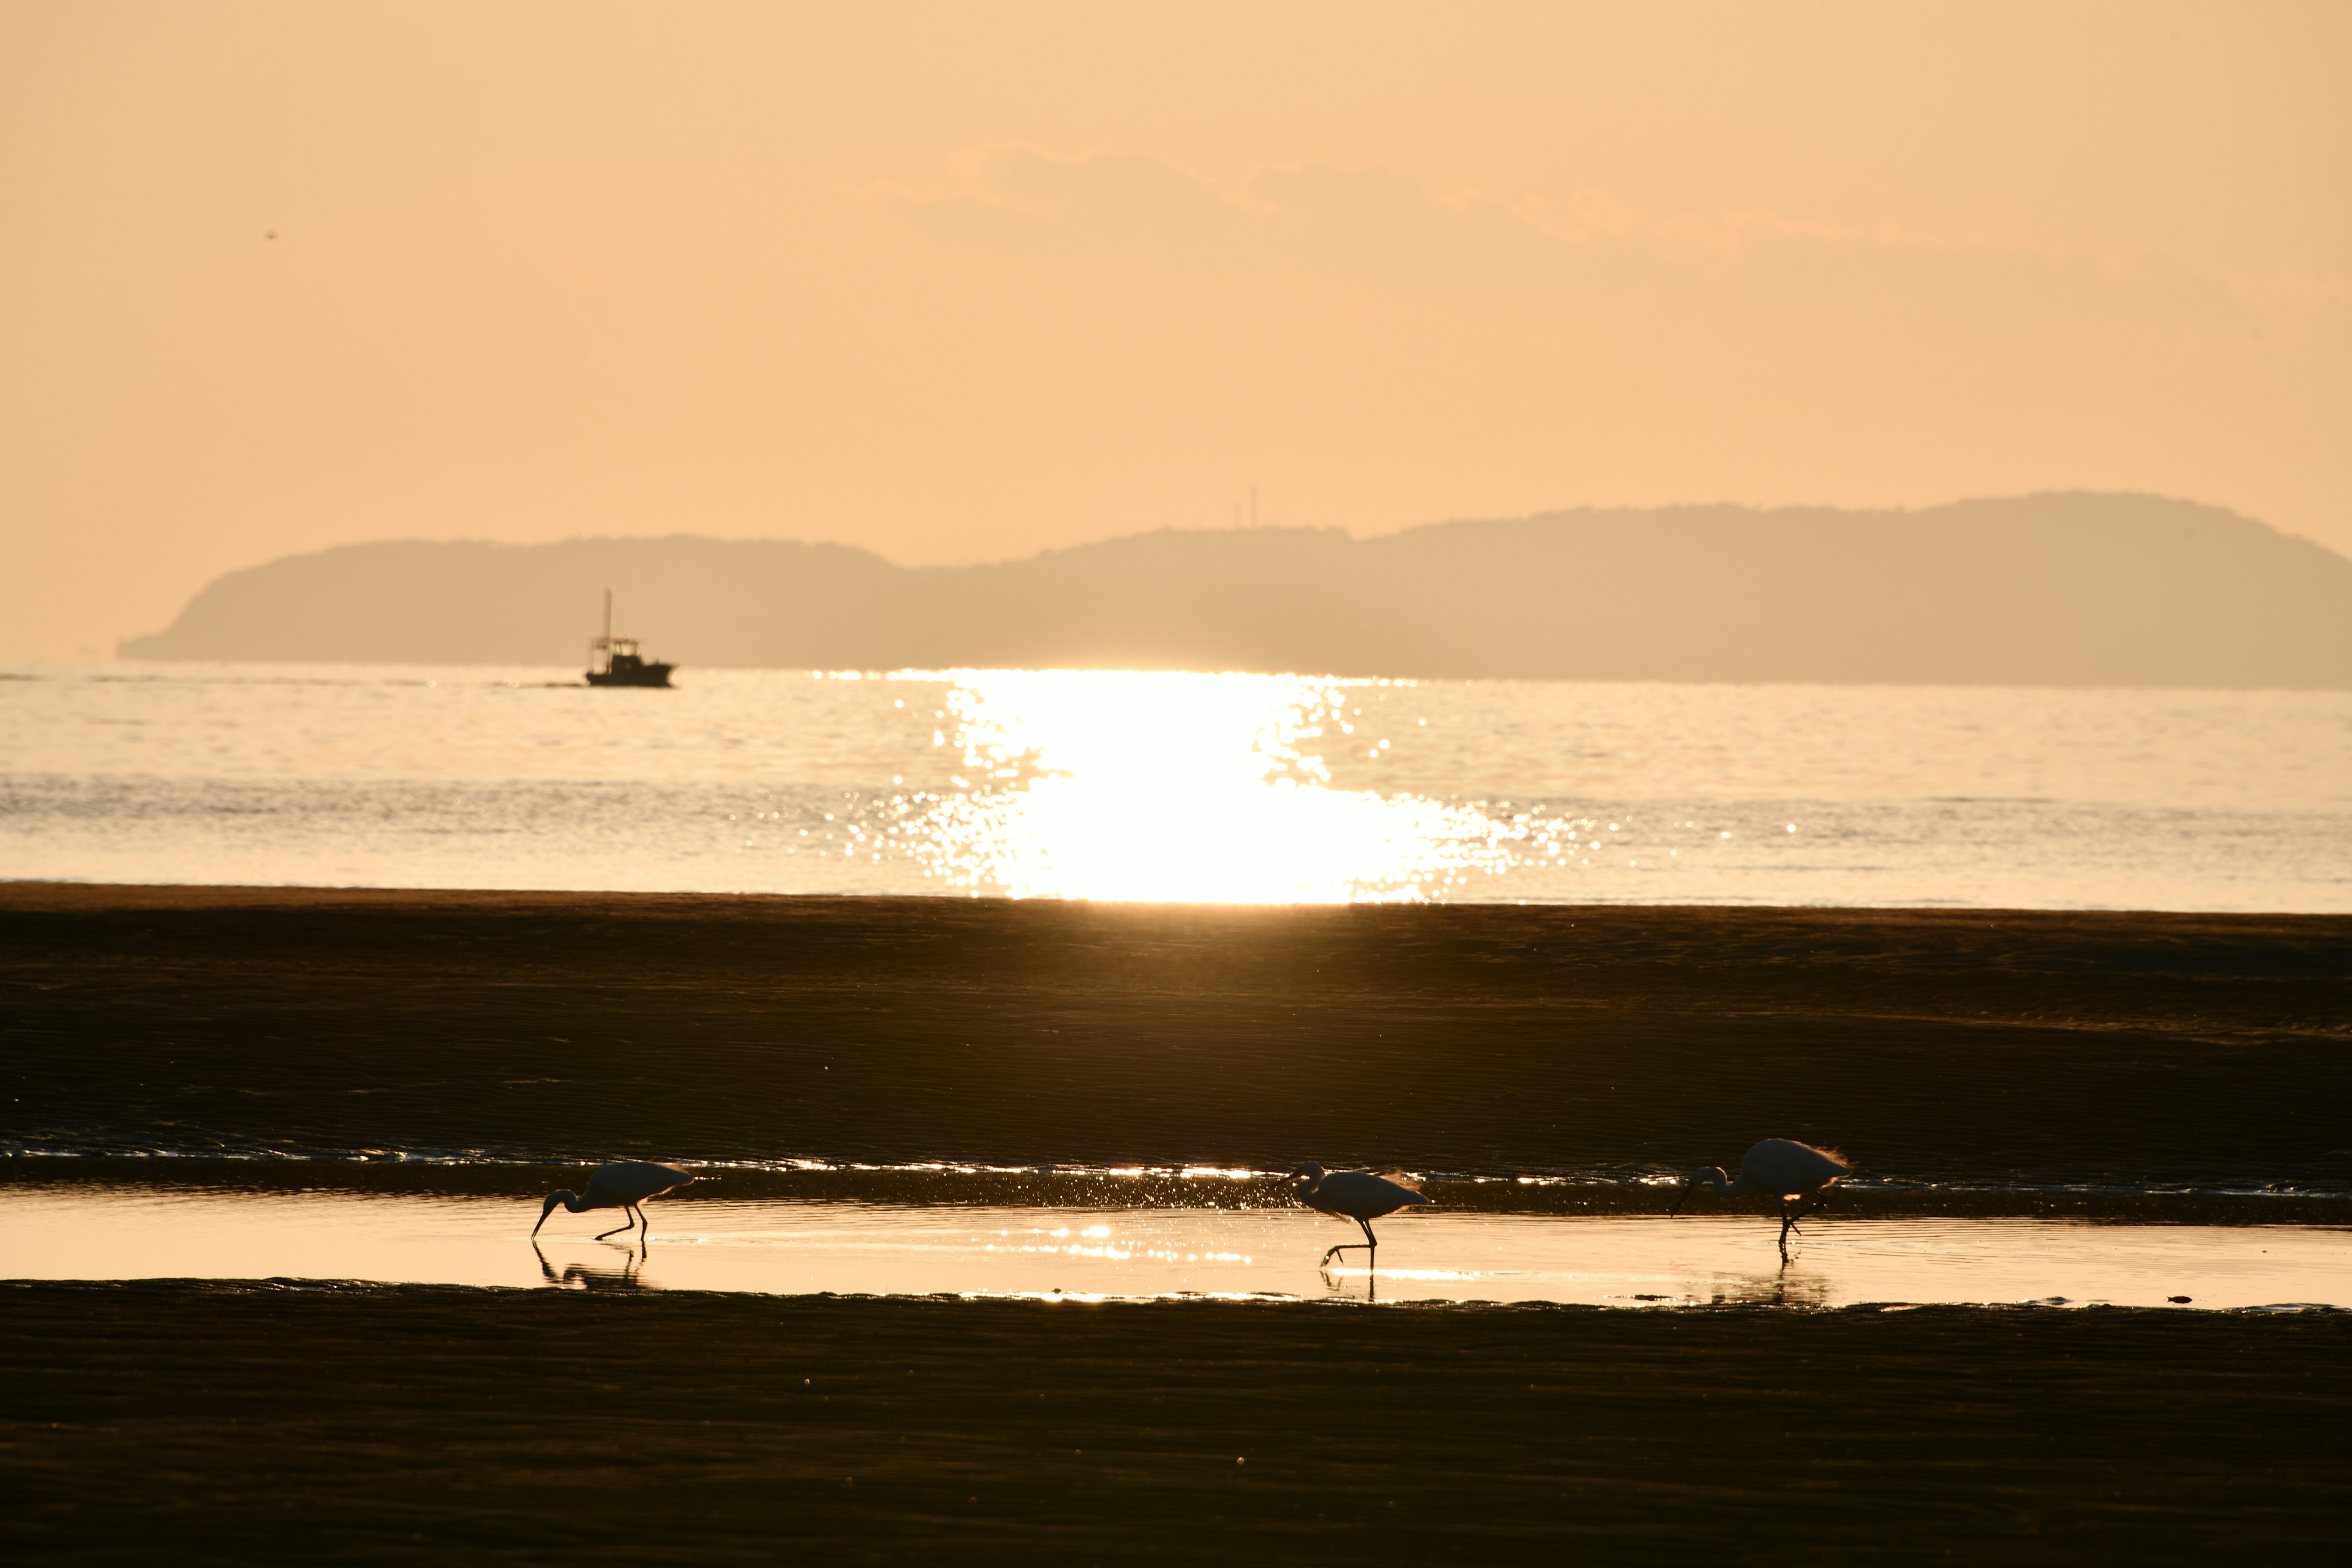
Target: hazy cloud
[{"x": 1591, "y": 256}]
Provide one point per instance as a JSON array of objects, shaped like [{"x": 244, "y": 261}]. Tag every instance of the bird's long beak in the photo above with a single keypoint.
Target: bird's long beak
[
  {"x": 1680, "y": 1199},
  {"x": 544, "y": 1210}
]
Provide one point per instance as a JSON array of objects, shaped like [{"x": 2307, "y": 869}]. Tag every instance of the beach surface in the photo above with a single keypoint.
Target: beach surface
[
  {"x": 1985, "y": 1050},
  {"x": 868, "y": 1053},
  {"x": 267, "y": 1423}
]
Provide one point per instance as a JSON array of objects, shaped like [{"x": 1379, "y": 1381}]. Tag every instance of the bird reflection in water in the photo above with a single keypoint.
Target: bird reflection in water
[
  {"x": 1789, "y": 1287},
  {"x": 599, "y": 1276}
]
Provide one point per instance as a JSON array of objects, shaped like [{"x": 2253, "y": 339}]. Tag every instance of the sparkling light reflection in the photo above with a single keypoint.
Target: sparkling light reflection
[
  {"x": 1113, "y": 786},
  {"x": 1179, "y": 788}
]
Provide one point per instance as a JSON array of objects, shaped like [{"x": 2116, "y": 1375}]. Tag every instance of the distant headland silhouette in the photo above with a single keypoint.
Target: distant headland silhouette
[{"x": 2061, "y": 589}]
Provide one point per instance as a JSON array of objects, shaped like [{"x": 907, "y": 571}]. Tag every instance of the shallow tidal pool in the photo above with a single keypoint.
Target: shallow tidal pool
[{"x": 798, "y": 1246}]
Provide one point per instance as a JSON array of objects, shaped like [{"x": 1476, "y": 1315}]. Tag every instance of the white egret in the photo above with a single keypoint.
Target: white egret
[
  {"x": 1358, "y": 1196},
  {"x": 1787, "y": 1170},
  {"x": 619, "y": 1184}
]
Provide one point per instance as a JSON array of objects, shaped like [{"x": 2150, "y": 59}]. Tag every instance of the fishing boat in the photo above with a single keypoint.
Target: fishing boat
[{"x": 623, "y": 665}]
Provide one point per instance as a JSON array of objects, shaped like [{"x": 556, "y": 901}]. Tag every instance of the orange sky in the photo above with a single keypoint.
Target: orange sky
[{"x": 957, "y": 282}]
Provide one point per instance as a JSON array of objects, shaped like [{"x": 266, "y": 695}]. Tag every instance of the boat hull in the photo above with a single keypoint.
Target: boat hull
[{"x": 644, "y": 675}]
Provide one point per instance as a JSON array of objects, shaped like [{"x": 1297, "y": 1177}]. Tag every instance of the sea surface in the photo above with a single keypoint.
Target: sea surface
[{"x": 1172, "y": 787}]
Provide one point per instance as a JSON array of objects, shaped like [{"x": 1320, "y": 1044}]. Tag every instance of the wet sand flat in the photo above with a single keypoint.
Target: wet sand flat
[
  {"x": 2127, "y": 1049},
  {"x": 370, "y": 1425}
]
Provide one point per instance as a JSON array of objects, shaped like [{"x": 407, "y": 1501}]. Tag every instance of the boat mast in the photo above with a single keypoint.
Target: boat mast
[{"x": 608, "y": 628}]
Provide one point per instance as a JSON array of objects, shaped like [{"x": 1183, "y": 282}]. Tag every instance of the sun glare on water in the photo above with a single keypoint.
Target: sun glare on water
[{"x": 1179, "y": 788}]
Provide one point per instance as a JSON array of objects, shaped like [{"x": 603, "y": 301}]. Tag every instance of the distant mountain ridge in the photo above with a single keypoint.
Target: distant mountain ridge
[{"x": 2066, "y": 589}]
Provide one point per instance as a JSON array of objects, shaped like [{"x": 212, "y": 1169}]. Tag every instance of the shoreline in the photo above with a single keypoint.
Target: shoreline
[{"x": 116, "y": 895}]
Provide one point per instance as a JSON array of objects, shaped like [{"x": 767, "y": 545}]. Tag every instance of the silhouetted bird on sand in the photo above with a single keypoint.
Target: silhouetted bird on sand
[
  {"x": 621, "y": 1184},
  {"x": 1789, "y": 1171},
  {"x": 1358, "y": 1196}
]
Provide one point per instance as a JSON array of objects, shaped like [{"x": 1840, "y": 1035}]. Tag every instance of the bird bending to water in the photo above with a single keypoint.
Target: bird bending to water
[
  {"x": 619, "y": 1184},
  {"x": 1358, "y": 1196},
  {"x": 1787, "y": 1170}
]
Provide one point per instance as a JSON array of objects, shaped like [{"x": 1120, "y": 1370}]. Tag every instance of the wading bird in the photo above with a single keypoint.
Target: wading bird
[
  {"x": 1787, "y": 1170},
  {"x": 1358, "y": 1196},
  {"x": 620, "y": 1184}
]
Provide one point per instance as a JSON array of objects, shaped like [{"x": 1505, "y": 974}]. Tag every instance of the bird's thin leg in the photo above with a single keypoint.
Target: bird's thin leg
[
  {"x": 1371, "y": 1245},
  {"x": 615, "y": 1230}
]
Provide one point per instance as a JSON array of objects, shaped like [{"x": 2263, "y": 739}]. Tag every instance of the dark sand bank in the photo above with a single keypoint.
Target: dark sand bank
[
  {"x": 366, "y": 1424},
  {"x": 2047, "y": 1047},
  {"x": 929, "y": 1187}
]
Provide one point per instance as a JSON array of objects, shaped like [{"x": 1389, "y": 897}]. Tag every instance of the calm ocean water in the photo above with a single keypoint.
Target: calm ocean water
[{"x": 1174, "y": 786}]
